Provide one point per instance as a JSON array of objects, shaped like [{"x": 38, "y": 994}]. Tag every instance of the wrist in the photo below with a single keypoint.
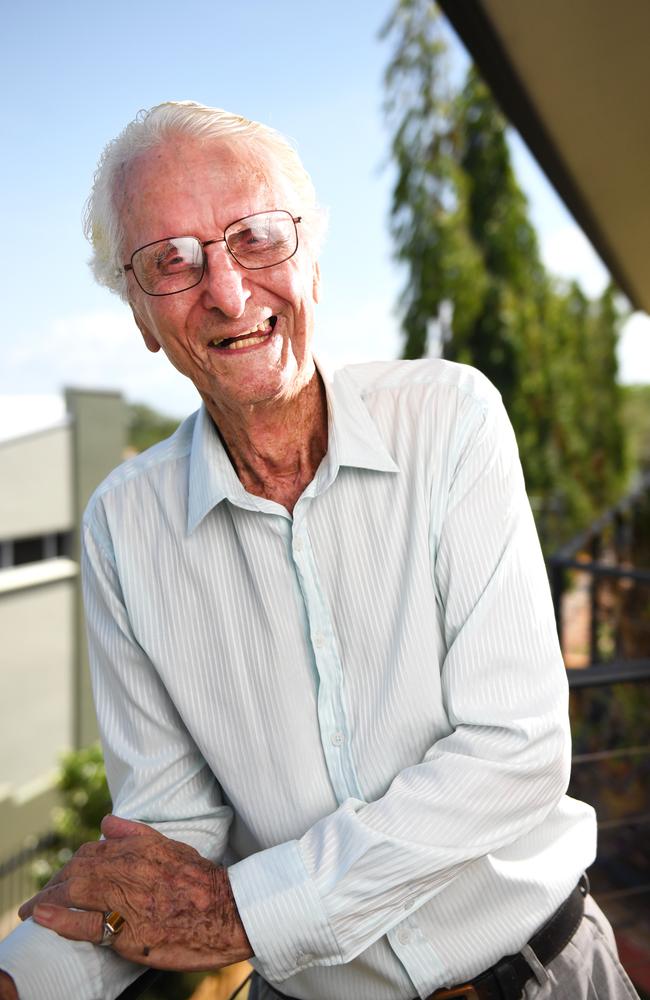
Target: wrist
[{"x": 232, "y": 928}]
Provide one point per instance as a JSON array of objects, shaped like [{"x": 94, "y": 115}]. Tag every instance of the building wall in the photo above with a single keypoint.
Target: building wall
[
  {"x": 36, "y": 658},
  {"x": 36, "y": 484}
]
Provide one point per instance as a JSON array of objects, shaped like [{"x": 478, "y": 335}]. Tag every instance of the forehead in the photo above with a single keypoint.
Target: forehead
[{"x": 196, "y": 186}]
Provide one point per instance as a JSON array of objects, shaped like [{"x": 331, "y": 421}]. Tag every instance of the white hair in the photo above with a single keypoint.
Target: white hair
[{"x": 102, "y": 223}]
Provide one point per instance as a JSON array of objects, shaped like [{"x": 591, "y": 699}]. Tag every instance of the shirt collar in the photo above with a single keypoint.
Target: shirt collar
[
  {"x": 211, "y": 475},
  {"x": 353, "y": 440},
  {"x": 353, "y": 437}
]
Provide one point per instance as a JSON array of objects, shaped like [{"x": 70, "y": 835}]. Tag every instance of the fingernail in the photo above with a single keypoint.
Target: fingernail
[{"x": 43, "y": 913}]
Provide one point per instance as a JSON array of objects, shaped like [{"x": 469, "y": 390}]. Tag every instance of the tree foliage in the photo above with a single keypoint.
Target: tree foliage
[
  {"x": 85, "y": 801},
  {"x": 146, "y": 426},
  {"x": 461, "y": 227},
  {"x": 636, "y": 409}
]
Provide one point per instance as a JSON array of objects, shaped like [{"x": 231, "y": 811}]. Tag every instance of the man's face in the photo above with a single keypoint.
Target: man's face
[{"x": 187, "y": 188}]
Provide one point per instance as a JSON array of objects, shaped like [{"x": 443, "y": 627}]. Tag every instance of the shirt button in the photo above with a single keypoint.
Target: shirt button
[
  {"x": 338, "y": 738},
  {"x": 319, "y": 640},
  {"x": 403, "y": 935}
]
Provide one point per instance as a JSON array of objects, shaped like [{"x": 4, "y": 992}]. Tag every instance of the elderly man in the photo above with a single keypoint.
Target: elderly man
[{"x": 323, "y": 652}]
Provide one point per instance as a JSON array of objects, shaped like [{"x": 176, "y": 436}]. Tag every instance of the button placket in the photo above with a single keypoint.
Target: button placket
[{"x": 331, "y": 712}]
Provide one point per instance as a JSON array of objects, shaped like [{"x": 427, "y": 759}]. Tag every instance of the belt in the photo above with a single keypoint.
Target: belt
[{"x": 506, "y": 979}]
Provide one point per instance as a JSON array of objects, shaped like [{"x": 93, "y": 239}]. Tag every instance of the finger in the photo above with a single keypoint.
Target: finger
[
  {"x": 26, "y": 908},
  {"x": 114, "y": 827},
  {"x": 74, "y": 868},
  {"x": 78, "y": 925},
  {"x": 84, "y": 893}
]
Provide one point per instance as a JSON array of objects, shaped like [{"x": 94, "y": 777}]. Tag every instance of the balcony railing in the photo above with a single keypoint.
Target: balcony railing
[{"x": 601, "y": 593}]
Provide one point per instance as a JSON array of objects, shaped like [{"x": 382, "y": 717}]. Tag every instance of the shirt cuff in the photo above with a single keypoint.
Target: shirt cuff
[
  {"x": 45, "y": 966},
  {"x": 282, "y": 913},
  {"x": 42, "y": 964}
]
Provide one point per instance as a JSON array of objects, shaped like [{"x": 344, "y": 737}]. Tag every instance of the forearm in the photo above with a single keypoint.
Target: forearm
[{"x": 7, "y": 987}]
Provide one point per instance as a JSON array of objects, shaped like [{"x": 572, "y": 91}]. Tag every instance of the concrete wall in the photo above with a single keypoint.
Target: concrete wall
[
  {"x": 99, "y": 437},
  {"x": 36, "y": 483},
  {"x": 37, "y": 605}
]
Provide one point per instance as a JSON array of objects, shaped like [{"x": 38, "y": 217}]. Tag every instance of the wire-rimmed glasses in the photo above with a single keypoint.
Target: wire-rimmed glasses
[{"x": 177, "y": 263}]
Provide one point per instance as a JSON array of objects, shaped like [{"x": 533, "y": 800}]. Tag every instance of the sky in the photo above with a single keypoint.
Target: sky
[{"x": 73, "y": 74}]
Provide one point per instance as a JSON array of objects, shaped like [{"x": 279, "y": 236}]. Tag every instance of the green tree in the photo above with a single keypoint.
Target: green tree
[
  {"x": 461, "y": 227},
  {"x": 506, "y": 339},
  {"x": 146, "y": 426},
  {"x": 636, "y": 418},
  {"x": 429, "y": 206},
  {"x": 609, "y": 465},
  {"x": 85, "y": 801}
]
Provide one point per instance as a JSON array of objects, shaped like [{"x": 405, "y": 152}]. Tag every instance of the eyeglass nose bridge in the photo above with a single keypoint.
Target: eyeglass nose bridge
[
  {"x": 230, "y": 254},
  {"x": 219, "y": 239}
]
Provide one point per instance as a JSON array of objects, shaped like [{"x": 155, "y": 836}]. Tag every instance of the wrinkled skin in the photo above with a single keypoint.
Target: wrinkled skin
[{"x": 179, "y": 909}]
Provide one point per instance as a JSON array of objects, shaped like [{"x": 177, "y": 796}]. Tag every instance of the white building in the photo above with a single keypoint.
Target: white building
[{"x": 46, "y": 478}]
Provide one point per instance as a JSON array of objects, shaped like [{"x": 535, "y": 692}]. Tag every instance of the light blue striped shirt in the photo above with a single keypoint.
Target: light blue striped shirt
[{"x": 361, "y": 709}]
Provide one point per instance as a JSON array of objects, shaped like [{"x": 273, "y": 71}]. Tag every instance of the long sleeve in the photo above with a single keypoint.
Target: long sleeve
[{"x": 324, "y": 898}]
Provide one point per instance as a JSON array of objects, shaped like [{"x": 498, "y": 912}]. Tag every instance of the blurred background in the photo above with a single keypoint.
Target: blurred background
[{"x": 447, "y": 237}]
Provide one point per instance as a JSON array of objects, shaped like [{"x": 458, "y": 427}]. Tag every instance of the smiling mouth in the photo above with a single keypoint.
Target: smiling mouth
[{"x": 257, "y": 335}]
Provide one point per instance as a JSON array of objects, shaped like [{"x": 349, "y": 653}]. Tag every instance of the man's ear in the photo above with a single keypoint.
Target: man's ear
[
  {"x": 316, "y": 282},
  {"x": 150, "y": 341}
]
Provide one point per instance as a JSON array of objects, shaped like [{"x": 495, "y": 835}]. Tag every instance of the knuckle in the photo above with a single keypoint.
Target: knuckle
[
  {"x": 87, "y": 850},
  {"x": 75, "y": 893}
]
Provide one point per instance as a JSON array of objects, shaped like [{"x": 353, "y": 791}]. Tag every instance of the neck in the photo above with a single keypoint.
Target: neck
[{"x": 276, "y": 447}]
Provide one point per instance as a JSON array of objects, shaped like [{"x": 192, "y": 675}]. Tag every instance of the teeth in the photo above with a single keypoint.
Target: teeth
[
  {"x": 263, "y": 327},
  {"x": 238, "y": 344}
]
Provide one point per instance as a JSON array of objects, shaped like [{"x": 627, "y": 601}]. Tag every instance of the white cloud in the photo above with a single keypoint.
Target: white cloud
[
  {"x": 634, "y": 350},
  {"x": 567, "y": 253}
]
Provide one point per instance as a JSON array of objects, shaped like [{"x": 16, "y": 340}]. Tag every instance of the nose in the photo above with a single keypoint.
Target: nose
[{"x": 223, "y": 285}]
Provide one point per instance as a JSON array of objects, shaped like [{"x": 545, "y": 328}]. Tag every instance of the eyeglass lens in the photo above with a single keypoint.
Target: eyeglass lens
[{"x": 177, "y": 263}]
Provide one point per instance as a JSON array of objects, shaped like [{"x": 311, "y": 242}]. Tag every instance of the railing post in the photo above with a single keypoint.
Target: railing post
[
  {"x": 594, "y": 652},
  {"x": 556, "y": 573}
]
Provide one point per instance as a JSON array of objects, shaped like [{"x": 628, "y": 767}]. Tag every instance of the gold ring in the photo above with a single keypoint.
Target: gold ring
[{"x": 113, "y": 924}]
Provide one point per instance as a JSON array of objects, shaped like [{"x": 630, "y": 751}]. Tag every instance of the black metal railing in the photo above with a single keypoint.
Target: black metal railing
[{"x": 600, "y": 581}]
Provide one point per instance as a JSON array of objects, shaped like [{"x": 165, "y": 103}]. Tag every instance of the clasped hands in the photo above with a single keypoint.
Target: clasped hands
[{"x": 179, "y": 908}]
